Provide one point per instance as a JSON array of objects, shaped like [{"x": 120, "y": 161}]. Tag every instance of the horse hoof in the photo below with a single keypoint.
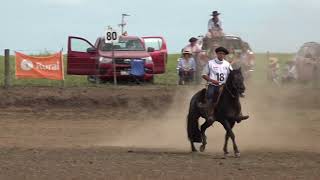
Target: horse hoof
[
  {"x": 237, "y": 155},
  {"x": 202, "y": 148},
  {"x": 194, "y": 150}
]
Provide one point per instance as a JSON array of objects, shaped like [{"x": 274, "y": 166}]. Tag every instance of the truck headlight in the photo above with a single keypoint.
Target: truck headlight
[
  {"x": 148, "y": 60},
  {"x": 105, "y": 60}
]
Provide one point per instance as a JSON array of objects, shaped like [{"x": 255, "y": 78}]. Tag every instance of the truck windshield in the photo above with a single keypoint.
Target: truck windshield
[{"x": 123, "y": 45}]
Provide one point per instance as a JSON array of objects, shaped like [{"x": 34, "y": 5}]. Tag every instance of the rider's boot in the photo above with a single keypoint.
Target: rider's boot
[{"x": 241, "y": 118}]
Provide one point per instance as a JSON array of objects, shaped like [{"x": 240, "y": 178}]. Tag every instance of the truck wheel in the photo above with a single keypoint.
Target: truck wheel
[{"x": 92, "y": 79}]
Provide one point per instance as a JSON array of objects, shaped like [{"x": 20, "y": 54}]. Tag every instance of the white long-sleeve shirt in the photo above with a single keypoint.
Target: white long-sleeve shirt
[
  {"x": 217, "y": 70},
  {"x": 213, "y": 26}
]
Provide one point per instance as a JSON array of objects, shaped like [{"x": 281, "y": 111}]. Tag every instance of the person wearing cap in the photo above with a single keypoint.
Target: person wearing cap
[
  {"x": 216, "y": 73},
  {"x": 195, "y": 49},
  {"x": 214, "y": 29},
  {"x": 186, "y": 66},
  {"x": 193, "y": 46},
  {"x": 215, "y": 25}
]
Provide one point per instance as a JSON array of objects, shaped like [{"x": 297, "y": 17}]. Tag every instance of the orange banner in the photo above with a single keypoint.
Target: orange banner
[{"x": 49, "y": 67}]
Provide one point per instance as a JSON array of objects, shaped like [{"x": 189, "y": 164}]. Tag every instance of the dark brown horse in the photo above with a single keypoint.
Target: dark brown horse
[{"x": 227, "y": 112}]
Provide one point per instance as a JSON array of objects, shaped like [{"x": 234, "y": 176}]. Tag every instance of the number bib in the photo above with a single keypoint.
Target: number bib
[
  {"x": 219, "y": 72},
  {"x": 111, "y": 36}
]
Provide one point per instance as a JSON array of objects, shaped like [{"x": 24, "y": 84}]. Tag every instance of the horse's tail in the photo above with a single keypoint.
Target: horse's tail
[{"x": 193, "y": 130}]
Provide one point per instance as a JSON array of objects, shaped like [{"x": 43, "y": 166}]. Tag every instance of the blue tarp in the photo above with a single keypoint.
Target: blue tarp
[{"x": 137, "y": 67}]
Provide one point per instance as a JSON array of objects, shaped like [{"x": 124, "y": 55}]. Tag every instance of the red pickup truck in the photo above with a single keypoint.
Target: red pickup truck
[{"x": 84, "y": 58}]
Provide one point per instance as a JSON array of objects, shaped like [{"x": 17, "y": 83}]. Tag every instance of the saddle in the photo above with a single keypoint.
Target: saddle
[
  {"x": 210, "y": 108},
  {"x": 204, "y": 99}
]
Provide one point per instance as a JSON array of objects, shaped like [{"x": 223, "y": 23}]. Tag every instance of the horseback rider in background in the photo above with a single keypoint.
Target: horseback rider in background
[
  {"x": 215, "y": 30},
  {"x": 215, "y": 25}
]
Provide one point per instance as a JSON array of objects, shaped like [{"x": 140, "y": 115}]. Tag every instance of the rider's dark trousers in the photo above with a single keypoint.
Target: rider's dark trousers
[{"x": 213, "y": 93}]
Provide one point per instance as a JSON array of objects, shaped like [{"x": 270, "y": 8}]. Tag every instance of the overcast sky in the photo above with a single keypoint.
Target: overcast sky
[{"x": 274, "y": 25}]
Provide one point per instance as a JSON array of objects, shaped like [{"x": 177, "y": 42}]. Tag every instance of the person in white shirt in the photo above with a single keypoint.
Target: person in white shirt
[
  {"x": 216, "y": 73},
  {"x": 214, "y": 29},
  {"x": 215, "y": 25},
  {"x": 186, "y": 66},
  {"x": 290, "y": 72}
]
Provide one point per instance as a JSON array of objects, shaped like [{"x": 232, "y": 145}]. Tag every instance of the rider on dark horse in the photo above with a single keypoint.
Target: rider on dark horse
[{"x": 216, "y": 73}]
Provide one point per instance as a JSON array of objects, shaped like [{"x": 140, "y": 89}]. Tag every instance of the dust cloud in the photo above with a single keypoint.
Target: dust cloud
[{"x": 281, "y": 118}]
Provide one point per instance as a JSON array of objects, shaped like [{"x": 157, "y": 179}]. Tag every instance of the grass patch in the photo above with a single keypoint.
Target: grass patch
[{"x": 169, "y": 78}]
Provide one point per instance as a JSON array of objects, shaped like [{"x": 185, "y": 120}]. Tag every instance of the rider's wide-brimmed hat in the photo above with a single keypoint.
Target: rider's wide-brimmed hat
[
  {"x": 215, "y": 13},
  {"x": 193, "y": 39},
  {"x": 222, "y": 49},
  {"x": 186, "y": 52}
]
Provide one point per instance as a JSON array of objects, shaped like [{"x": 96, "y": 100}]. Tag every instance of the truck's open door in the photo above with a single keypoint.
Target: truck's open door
[
  {"x": 157, "y": 48},
  {"x": 82, "y": 57}
]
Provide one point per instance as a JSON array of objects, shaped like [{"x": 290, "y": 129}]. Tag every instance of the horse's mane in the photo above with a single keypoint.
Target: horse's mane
[
  {"x": 233, "y": 72},
  {"x": 202, "y": 93}
]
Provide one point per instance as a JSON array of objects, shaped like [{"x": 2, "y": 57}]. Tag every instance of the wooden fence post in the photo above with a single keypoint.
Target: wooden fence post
[{"x": 7, "y": 78}]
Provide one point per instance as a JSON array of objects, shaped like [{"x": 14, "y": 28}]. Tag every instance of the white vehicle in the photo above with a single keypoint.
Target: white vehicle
[{"x": 307, "y": 61}]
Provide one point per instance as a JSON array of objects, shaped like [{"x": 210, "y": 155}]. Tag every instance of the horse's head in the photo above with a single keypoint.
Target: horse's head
[{"x": 236, "y": 82}]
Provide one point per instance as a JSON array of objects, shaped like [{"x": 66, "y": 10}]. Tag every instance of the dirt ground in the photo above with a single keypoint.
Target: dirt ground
[{"x": 140, "y": 133}]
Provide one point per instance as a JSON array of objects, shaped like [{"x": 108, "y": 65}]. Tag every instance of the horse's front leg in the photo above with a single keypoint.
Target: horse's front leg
[
  {"x": 204, "y": 127},
  {"x": 225, "y": 147},
  {"x": 193, "y": 148},
  {"x": 229, "y": 133}
]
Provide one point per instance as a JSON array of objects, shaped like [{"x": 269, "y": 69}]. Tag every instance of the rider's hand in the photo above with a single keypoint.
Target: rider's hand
[{"x": 214, "y": 82}]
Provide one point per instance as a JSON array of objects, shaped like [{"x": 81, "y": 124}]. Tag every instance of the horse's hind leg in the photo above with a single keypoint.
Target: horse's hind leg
[{"x": 204, "y": 127}]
